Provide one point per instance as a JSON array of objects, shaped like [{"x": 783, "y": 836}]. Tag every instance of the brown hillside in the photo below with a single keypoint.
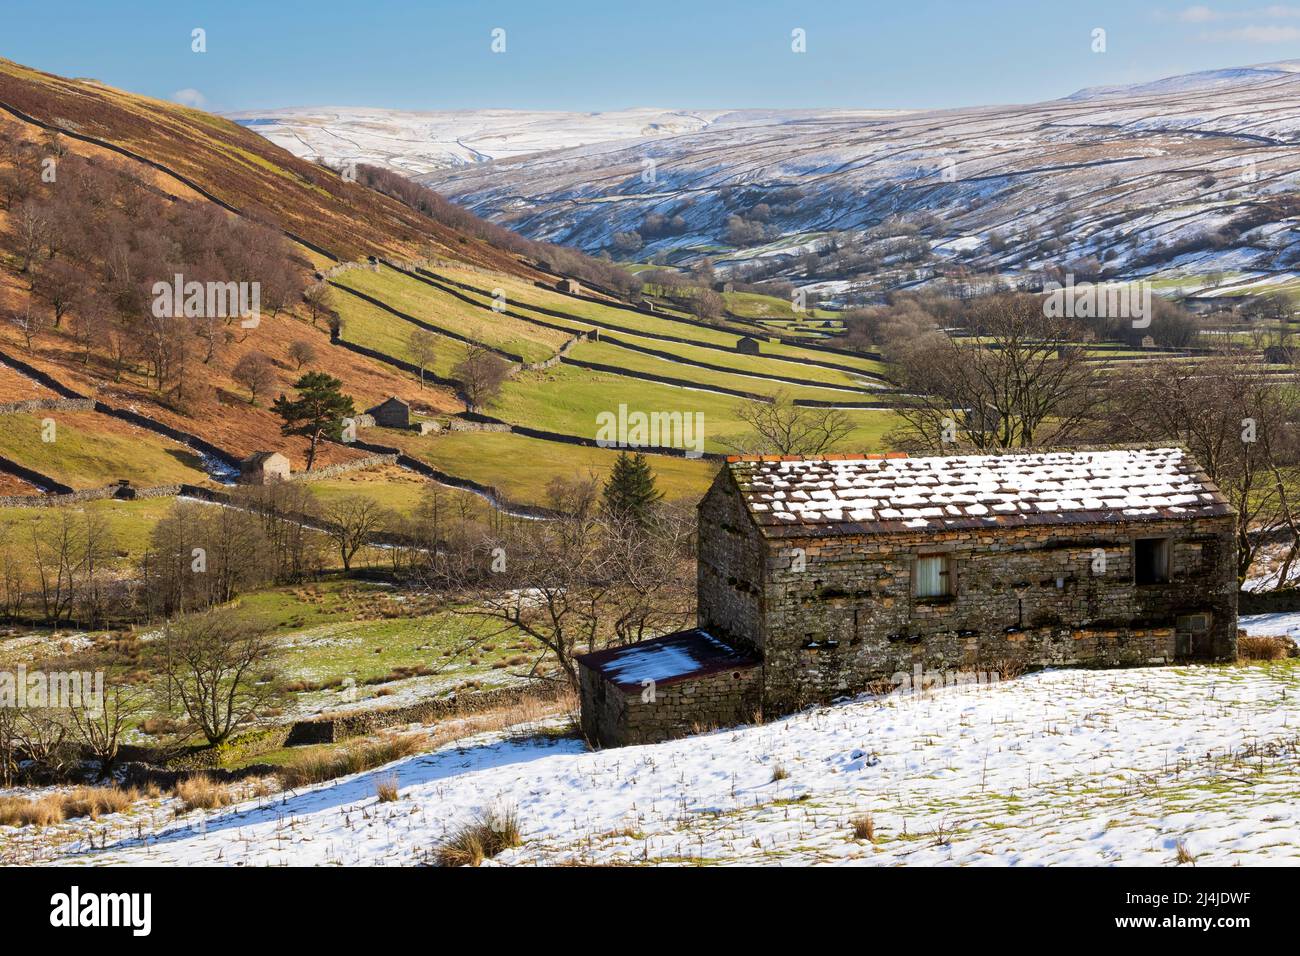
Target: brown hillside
[{"x": 240, "y": 168}]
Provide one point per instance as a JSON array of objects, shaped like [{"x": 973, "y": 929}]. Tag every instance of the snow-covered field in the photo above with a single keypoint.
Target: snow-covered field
[{"x": 1061, "y": 767}]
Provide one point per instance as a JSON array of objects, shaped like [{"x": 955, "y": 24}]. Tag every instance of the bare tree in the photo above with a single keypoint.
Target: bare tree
[
  {"x": 256, "y": 372},
  {"x": 350, "y": 523},
  {"x": 1025, "y": 383},
  {"x": 1242, "y": 427},
  {"x": 100, "y": 729},
  {"x": 780, "y": 427},
  {"x": 320, "y": 301},
  {"x": 481, "y": 374},
  {"x": 219, "y": 664},
  {"x": 302, "y": 352},
  {"x": 575, "y": 584},
  {"x": 423, "y": 347}
]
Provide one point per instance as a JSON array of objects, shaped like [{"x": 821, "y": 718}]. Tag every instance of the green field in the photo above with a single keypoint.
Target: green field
[
  {"x": 423, "y": 301},
  {"x": 392, "y": 488},
  {"x": 613, "y": 355},
  {"x": 129, "y": 522},
  {"x": 90, "y": 450},
  {"x": 566, "y": 399},
  {"x": 369, "y": 325},
  {"x": 521, "y": 467}
]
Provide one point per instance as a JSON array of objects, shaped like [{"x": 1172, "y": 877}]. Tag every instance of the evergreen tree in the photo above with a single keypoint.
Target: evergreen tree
[
  {"x": 630, "y": 494},
  {"x": 317, "y": 412}
]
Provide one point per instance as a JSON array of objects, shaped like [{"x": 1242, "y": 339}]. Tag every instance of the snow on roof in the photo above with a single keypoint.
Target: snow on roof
[
  {"x": 877, "y": 494},
  {"x": 664, "y": 660}
]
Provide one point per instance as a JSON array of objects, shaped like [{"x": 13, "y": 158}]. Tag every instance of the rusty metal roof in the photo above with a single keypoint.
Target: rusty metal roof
[
  {"x": 791, "y": 496},
  {"x": 667, "y": 660}
]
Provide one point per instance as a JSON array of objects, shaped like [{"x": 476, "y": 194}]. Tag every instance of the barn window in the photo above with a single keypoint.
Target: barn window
[
  {"x": 1151, "y": 560},
  {"x": 933, "y": 576}
]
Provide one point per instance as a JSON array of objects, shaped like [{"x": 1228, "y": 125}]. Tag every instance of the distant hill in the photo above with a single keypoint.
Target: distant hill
[{"x": 1190, "y": 179}]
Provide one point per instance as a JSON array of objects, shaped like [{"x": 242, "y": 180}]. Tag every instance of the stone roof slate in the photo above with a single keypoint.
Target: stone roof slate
[{"x": 883, "y": 494}]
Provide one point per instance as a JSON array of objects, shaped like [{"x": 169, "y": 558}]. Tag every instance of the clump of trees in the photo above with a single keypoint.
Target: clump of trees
[
  {"x": 93, "y": 240},
  {"x": 1023, "y": 383}
]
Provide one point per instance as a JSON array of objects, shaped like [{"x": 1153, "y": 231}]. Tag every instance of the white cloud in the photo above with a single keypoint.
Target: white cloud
[
  {"x": 1257, "y": 34},
  {"x": 1198, "y": 14},
  {"x": 190, "y": 97},
  {"x": 1201, "y": 13}
]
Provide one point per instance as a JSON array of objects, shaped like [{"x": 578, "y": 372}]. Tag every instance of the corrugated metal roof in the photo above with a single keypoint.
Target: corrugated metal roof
[
  {"x": 666, "y": 660},
  {"x": 882, "y": 494}
]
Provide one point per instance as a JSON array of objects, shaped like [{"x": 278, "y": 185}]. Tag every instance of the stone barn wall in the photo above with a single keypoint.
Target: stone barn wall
[
  {"x": 729, "y": 571},
  {"x": 850, "y": 618}
]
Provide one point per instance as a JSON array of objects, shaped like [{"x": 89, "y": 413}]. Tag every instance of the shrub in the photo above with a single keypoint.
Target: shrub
[
  {"x": 489, "y": 833},
  {"x": 864, "y": 827},
  {"x": 386, "y": 788},
  {"x": 1254, "y": 648},
  {"x": 201, "y": 792}
]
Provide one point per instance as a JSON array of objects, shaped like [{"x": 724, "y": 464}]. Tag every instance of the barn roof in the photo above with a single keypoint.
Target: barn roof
[
  {"x": 667, "y": 660},
  {"x": 793, "y": 496}
]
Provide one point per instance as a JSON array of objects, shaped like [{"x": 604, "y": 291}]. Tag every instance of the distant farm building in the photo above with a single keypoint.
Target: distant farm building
[
  {"x": 571, "y": 286},
  {"x": 823, "y": 578},
  {"x": 747, "y": 345},
  {"x": 391, "y": 413},
  {"x": 264, "y": 468}
]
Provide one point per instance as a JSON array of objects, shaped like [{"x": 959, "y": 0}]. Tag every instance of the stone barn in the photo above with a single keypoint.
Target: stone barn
[
  {"x": 839, "y": 574},
  {"x": 263, "y": 468},
  {"x": 571, "y": 286},
  {"x": 747, "y": 345},
  {"x": 391, "y": 413},
  {"x": 667, "y": 687}
]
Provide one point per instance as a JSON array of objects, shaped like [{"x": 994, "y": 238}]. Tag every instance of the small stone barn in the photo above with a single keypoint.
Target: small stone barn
[
  {"x": 747, "y": 345},
  {"x": 263, "y": 468},
  {"x": 836, "y": 574},
  {"x": 391, "y": 413},
  {"x": 571, "y": 286},
  {"x": 667, "y": 687}
]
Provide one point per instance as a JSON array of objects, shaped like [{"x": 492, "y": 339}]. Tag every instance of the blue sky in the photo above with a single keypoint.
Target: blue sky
[{"x": 613, "y": 54}]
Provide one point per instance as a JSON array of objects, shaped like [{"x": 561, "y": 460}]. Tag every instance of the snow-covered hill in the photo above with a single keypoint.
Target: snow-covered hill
[
  {"x": 1064, "y": 767},
  {"x": 421, "y": 142},
  {"x": 1193, "y": 176}
]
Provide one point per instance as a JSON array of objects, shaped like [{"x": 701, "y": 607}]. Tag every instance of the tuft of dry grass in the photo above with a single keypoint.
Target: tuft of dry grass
[
  {"x": 490, "y": 832},
  {"x": 386, "y": 788},
  {"x": 1182, "y": 854},
  {"x": 53, "y": 808},
  {"x": 779, "y": 773},
  {"x": 1254, "y": 648},
  {"x": 319, "y": 766},
  {"x": 201, "y": 792},
  {"x": 864, "y": 827}
]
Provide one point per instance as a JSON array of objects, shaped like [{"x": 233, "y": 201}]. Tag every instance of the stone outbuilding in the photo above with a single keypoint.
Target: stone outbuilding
[
  {"x": 571, "y": 286},
  {"x": 391, "y": 413},
  {"x": 747, "y": 345},
  {"x": 263, "y": 468},
  {"x": 667, "y": 687},
  {"x": 839, "y": 574}
]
